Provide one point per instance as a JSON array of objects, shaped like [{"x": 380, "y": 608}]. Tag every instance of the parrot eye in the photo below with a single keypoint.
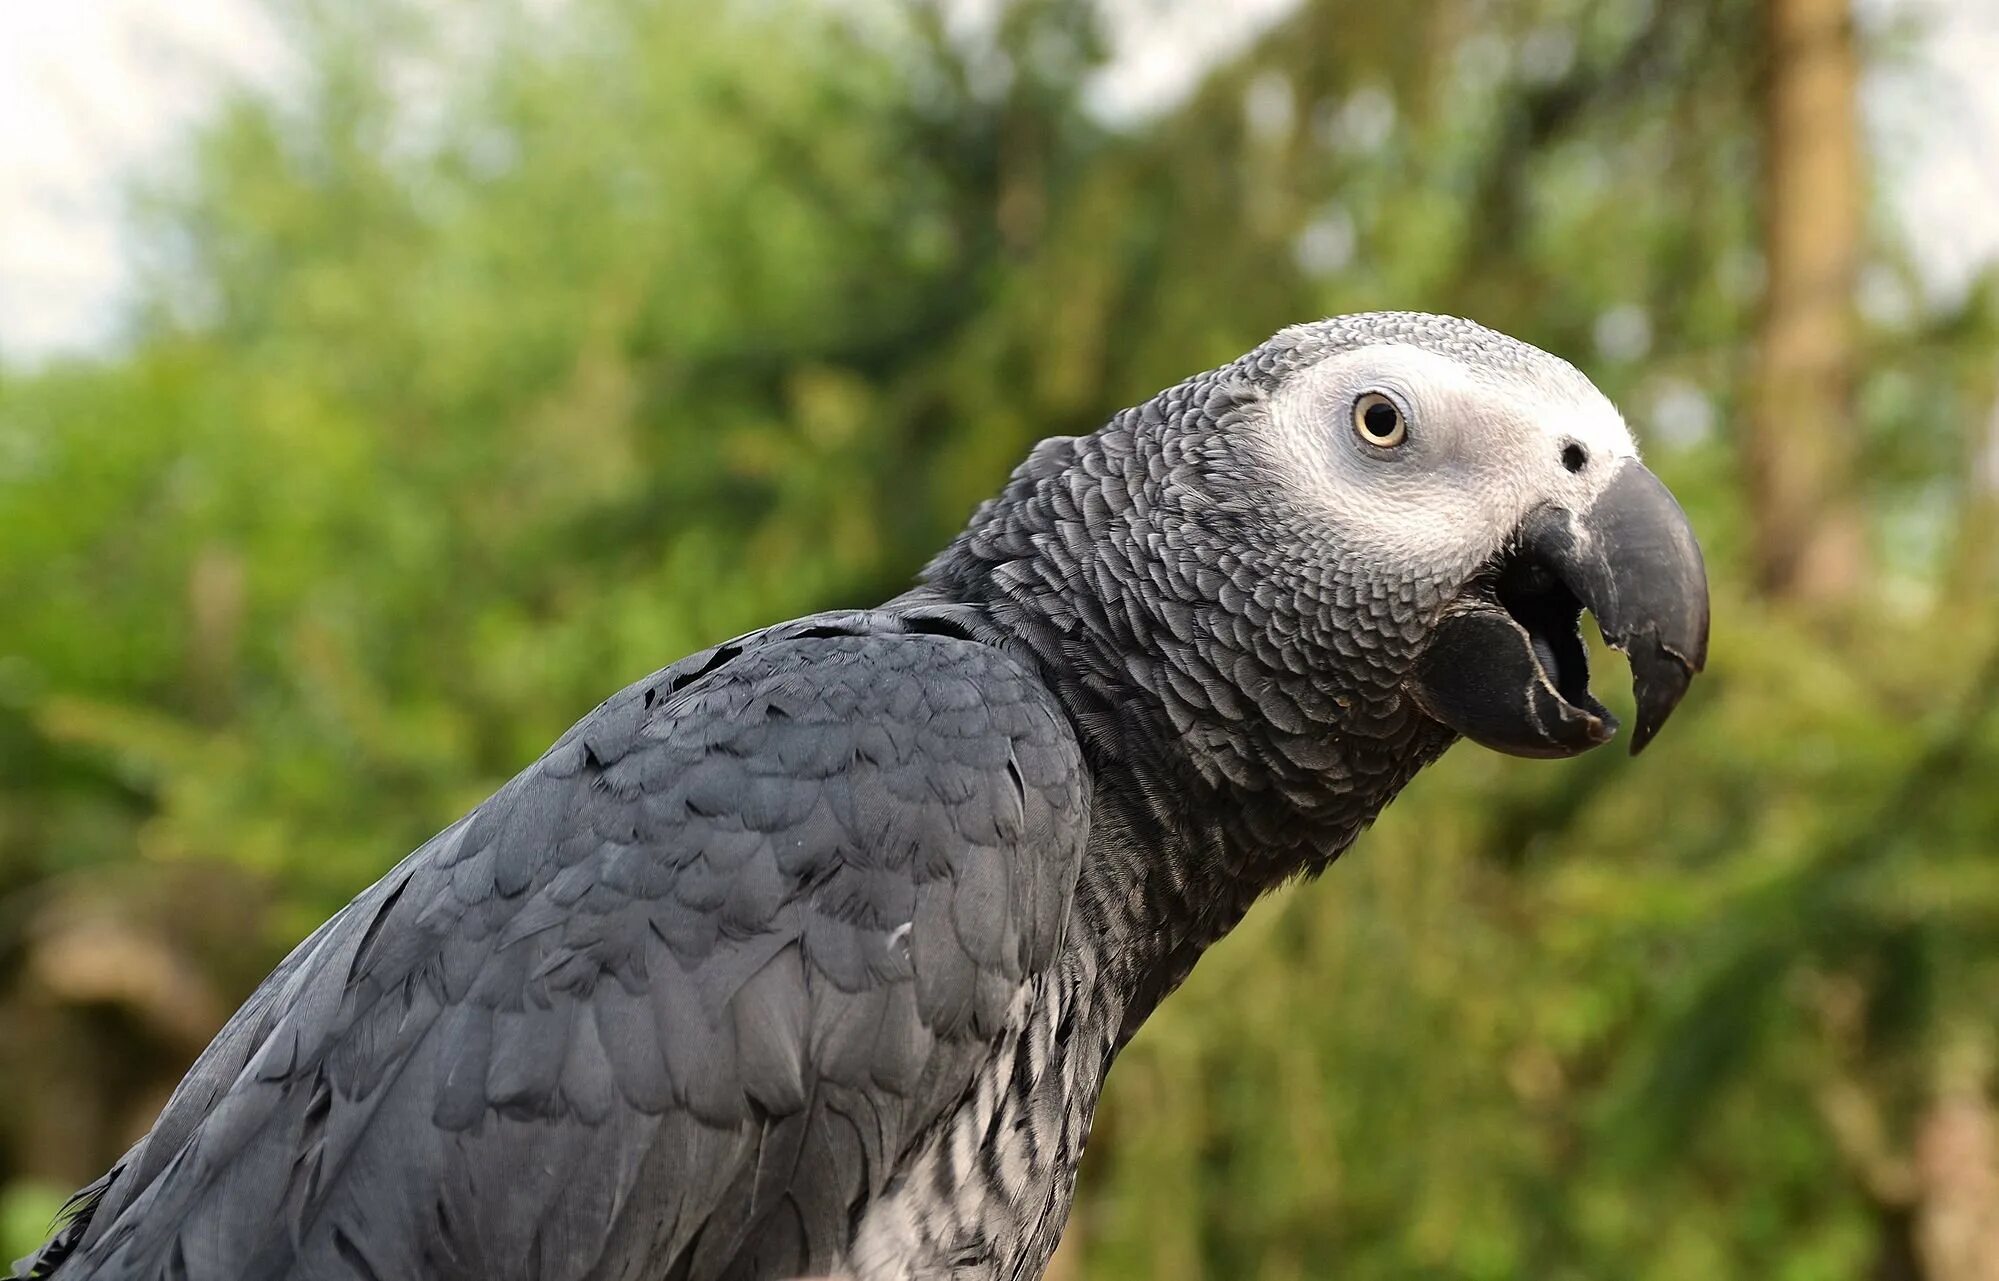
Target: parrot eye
[{"x": 1379, "y": 421}]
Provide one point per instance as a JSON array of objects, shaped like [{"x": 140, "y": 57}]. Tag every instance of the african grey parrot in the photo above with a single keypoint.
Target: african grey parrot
[{"x": 808, "y": 954}]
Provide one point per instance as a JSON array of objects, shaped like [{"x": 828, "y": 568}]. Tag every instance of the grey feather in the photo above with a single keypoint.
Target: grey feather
[{"x": 808, "y": 954}]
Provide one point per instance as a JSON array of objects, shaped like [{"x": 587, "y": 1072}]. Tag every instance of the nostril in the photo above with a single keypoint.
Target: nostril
[{"x": 1574, "y": 457}]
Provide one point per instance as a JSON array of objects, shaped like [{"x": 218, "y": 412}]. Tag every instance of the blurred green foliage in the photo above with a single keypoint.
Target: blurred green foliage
[{"x": 504, "y": 356}]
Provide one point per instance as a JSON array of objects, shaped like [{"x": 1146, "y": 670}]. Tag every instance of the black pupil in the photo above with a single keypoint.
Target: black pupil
[{"x": 1379, "y": 419}]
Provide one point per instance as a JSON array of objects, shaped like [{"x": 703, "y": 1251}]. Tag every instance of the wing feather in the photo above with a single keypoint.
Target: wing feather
[{"x": 675, "y": 1001}]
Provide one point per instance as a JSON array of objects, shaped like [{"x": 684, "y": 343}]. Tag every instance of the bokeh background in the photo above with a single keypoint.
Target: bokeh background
[{"x": 465, "y": 362}]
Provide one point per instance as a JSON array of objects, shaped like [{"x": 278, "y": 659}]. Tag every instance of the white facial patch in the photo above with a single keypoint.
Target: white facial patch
[{"x": 1486, "y": 444}]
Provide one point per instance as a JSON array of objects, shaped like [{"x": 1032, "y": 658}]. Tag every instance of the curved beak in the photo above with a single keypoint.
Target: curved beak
[{"x": 1507, "y": 668}]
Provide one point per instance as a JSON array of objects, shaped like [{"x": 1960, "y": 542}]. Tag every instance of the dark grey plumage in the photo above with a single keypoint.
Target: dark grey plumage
[{"x": 809, "y": 953}]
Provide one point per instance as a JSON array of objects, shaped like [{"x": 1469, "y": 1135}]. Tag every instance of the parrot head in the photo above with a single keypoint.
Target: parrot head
[{"x": 1491, "y": 494}]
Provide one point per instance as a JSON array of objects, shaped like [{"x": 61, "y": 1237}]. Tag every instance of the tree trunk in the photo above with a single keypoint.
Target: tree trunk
[
  {"x": 1976, "y": 571},
  {"x": 1957, "y": 1172},
  {"x": 1809, "y": 536}
]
